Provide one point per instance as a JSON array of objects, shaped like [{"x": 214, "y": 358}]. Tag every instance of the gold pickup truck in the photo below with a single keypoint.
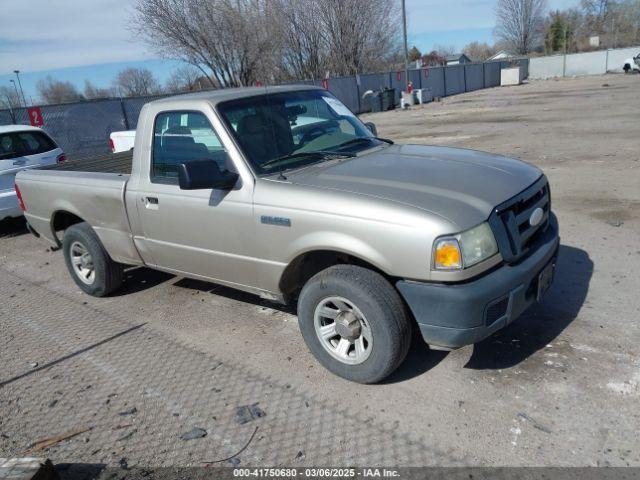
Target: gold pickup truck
[{"x": 284, "y": 193}]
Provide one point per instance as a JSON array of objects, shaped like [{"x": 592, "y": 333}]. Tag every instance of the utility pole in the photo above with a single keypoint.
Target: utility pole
[
  {"x": 406, "y": 47},
  {"x": 16, "y": 87},
  {"x": 17, "y": 72},
  {"x": 564, "y": 59},
  {"x": 613, "y": 31}
]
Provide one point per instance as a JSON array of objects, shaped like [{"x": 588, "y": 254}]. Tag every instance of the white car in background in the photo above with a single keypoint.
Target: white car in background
[
  {"x": 632, "y": 64},
  {"x": 122, "y": 141},
  {"x": 22, "y": 147}
]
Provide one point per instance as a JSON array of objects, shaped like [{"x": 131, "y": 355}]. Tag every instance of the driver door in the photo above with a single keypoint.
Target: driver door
[{"x": 204, "y": 233}]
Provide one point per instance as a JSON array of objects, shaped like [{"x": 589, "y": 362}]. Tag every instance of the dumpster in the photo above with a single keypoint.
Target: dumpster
[{"x": 388, "y": 99}]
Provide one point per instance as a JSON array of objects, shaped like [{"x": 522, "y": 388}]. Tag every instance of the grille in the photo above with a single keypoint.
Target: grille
[
  {"x": 510, "y": 221},
  {"x": 496, "y": 311}
]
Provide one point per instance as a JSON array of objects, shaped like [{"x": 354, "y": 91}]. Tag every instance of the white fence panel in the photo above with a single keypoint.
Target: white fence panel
[
  {"x": 590, "y": 63},
  {"x": 546, "y": 67}
]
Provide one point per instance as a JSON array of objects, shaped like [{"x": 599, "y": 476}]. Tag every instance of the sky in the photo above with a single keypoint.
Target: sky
[{"x": 75, "y": 40}]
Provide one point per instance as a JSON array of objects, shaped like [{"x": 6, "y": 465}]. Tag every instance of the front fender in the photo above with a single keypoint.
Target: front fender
[{"x": 342, "y": 243}]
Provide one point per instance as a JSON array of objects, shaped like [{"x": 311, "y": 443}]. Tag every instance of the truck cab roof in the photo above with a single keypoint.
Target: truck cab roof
[{"x": 218, "y": 96}]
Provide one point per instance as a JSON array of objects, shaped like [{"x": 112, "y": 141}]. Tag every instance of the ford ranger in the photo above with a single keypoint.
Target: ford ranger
[{"x": 283, "y": 192}]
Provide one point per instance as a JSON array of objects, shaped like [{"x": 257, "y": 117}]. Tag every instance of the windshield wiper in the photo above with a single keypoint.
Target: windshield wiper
[
  {"x": 355, "y": 141},
  {"x": 320, "y": 154}
]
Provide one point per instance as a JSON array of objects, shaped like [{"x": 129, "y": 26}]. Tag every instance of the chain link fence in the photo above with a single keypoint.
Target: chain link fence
[{"x": 82, "y": 129}]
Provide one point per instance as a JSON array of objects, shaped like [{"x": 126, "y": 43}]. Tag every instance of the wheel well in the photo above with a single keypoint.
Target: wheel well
[
  {"x": 306, "y": 265},
  {"x": 62, "y": 220}
]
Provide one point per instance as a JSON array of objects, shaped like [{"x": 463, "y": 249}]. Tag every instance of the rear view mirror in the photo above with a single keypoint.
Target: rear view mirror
[
  {"x": 372, "y": 128},
  {"x": 294, "y": 110},
  {"x": 205, "y": 174}
]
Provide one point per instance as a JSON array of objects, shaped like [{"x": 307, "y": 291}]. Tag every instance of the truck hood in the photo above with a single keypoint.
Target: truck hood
[{"x": 460, "y": 185}]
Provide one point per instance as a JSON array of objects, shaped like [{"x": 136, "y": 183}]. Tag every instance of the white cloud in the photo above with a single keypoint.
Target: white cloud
[{"x": 47, "y": 34}]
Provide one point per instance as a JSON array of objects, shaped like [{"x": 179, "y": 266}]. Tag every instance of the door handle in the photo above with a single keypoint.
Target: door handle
[
  {"x": 150, "y": 203},
  {"x": 19, "y": 162}
]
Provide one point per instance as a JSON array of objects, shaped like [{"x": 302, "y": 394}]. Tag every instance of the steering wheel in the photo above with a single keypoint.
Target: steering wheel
[{"x": 315, "y": 131}]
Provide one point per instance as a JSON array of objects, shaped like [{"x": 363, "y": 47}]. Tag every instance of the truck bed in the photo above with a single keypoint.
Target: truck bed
[
  {"x": 92, "y": 190},
  {"x": 107, "y": 163}
]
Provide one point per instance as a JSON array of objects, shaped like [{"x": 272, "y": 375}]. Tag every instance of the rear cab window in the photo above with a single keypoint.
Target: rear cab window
[
  {"x": 182, "y": 136},
  {"x": 22, "y": 144}
]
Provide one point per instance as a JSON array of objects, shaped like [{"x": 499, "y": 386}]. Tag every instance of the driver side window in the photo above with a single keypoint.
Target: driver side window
[{"x": 179, "y": 137}]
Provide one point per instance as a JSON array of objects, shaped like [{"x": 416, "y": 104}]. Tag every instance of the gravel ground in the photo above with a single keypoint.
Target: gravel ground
[{"x": 558, "y": 387}]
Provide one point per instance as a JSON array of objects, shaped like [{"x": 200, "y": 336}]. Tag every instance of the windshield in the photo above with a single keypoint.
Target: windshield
[{"x": 288, "y": 130}]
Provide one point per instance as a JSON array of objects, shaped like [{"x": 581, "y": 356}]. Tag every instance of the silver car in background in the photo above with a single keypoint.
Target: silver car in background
[{"x": 22, "y": 147}]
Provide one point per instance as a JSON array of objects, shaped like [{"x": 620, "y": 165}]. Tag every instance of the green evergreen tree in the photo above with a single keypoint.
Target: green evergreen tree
[
  {"x": 559, "y": 35},
  {"x": 414, "y": 54}
]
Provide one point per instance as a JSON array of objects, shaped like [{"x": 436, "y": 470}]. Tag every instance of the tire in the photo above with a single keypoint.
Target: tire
[
  {"x": 107, "y": 274},
  {"x": 383, "y": 319}
]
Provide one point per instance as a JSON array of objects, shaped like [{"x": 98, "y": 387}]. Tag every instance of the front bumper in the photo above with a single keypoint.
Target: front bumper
[{"x": 454, "y": 315}]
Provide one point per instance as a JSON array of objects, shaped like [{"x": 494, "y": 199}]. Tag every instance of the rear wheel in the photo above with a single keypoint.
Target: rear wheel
[
  {"x": 354, "y": 322},
  {"x": 88, "y": 262}
]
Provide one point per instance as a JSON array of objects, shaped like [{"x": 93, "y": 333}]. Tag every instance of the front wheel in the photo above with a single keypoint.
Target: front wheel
[
  {"x": 88, "y": 262},
  {"x": 354, "y": 322}
]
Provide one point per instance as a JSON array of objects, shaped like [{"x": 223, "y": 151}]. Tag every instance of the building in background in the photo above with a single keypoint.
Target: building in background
[
  {"x": 501, "y": 55},
  {"x": 457, "y": 59}
]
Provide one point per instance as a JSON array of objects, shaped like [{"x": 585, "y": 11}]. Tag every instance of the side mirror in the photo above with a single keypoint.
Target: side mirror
[
  {"x": 372, "y": 128},
  {"x": 205, "y": 174}
]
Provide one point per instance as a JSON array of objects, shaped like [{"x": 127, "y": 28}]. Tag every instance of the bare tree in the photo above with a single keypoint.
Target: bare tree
[
  {"x": 617, "y": 22},
  {"x": 301, "y": 39},
  {"x": 187, "y": 79},
  {"x": 361, "y": 35},
  {"x": 9, "y": 99},
  {"x": 136, "y": 82},
  {"x": 626, "y": 25},
  {"x": 433, "y": 59},
  {"x": 597, "y": 13},
  {"x": 445, "y": 50},
  {"x": 225, "y": 39},
  {"x": 91, "y": 92},
  {"x": 239, "y": 42},
  {"x": 520, "y": 24},
  {"x": 477, "y": 51},
  {"x": 54, "y": 91}
]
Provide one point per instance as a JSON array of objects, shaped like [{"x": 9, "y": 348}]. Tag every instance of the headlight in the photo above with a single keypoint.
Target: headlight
[{"x": 465, "y": 249}]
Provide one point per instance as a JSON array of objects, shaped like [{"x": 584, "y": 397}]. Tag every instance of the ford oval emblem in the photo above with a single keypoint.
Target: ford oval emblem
[{"x": 536, "y": 217}]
